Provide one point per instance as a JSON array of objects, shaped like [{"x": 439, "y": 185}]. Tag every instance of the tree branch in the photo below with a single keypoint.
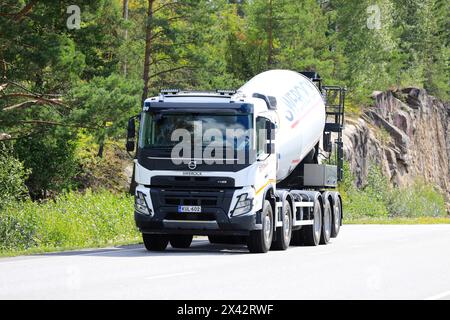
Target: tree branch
[
  {"x": 57, "y": 102},
  {"x": 4, "y": 136},
  {"x": 169, "y": 70},
  {"x": 168, "y": 5},
  {"x": 21, "y": 105},
  {"x": 54, "y": 123},
  {"x": 25, "y": 10}
]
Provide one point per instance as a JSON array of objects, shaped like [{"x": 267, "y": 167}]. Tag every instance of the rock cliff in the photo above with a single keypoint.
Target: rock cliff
[{"x": 407, "y": 133}]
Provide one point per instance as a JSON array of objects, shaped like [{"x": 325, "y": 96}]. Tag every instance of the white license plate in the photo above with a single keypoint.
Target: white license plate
[{"x": 189, "y": 209}]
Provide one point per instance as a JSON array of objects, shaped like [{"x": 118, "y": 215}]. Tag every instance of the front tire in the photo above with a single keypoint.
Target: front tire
[
  {"x": 181, "y": 241},
  {"x": 284, "y": 234},
  {"x": 155, "y": 242},
  {"x": 259, "y": 241}
]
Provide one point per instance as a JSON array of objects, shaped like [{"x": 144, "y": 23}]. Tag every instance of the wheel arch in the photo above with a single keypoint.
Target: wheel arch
[{"x": 269, "y": 194}]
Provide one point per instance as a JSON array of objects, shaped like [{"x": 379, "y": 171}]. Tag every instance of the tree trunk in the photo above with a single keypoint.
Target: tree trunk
[
  {"x": 148, "y": 49},
  {"x": 270, "y": 36},
  {"x": 125, "y": 17}
]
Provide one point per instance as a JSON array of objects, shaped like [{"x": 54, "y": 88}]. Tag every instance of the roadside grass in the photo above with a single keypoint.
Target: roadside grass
[
  {"x": 398, "y": 220},
  {"x": 71, "y": 221}
]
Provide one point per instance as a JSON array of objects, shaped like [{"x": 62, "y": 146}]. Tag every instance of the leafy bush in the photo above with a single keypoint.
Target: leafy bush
[
  {"x": 378, "y": 199},
  {"x": 369, "y": 201},
  {"x": 362, "y": 204},
  {"x": 17, "y": 228},
  {"x": 70, "y": 220},
  {"x": 418, "y": 200},
  {"x": 51, "y": 157},
  {"x": 12, "y": 177},
  {"x": 107, "y": 172}
]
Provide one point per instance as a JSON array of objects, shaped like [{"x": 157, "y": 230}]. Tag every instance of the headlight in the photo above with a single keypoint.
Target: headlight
[
  {"x": 243, "y": 205},
  {"x": 140, "y": 204}
]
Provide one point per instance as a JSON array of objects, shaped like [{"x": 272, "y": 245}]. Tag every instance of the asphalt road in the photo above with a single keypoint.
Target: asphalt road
[{"x": 364, "y": 262}]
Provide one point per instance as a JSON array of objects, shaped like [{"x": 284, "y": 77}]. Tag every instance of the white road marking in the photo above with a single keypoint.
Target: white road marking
[
  {"x": 439, "y": 296},
  {"x": 161, "y": 276}
]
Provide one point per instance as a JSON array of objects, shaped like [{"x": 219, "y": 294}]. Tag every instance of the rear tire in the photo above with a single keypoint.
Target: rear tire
[
  {"x": 326, "y": 222},
  {"x": 337, "y": 218},
  {"x": 155, "y": 242},
  {"x": 259, "y": 241},
  {"x": 181, "y": 241},
  {"x": 310, "y": 234},
  {"x": 284, "y": 234}
]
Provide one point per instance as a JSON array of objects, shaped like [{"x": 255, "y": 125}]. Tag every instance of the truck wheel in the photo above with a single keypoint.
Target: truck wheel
[
  {"x": 155, "y": 242},
  {"x": 259, "y": 241},
  {"x": 326, "y": 222},
  {"x": 283, "y": 237},
  {"x": 181, "y": 241},
  {"x": 311, "y": 233},
  {"x": 337, "y": 217}
]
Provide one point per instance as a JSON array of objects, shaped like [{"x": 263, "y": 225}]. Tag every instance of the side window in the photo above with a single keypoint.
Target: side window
[{"x": 261, "y": 136}]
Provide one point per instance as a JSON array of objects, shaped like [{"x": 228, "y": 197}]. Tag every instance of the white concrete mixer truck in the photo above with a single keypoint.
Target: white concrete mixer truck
[{"x": 240, "y": 166}]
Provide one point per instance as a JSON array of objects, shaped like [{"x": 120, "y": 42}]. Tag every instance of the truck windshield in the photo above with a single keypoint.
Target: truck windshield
[{"x": 163, "y": 131}]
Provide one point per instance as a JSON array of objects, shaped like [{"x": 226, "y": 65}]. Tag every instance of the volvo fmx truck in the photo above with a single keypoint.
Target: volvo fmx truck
[{"x": 245, "y": 166}]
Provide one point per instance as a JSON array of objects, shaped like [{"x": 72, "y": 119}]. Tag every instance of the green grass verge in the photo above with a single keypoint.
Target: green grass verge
[
  {"x": 387, "y": 220},
  {"x": 71, "y": 221}
]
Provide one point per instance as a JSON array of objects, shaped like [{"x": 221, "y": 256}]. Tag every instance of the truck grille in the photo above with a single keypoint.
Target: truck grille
[
  {"x": 213, "y": 202},
  {"x": 197, "y": 201}
]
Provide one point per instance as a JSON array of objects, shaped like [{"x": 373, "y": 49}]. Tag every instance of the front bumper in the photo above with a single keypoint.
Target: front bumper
[
  {"x": 214, "y": 219},
  {"x": 241, "y": 225}
]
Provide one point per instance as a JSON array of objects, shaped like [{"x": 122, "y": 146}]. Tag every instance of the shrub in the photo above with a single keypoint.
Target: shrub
[
  {"x": 420, "y": 199},
  {"x": 363, "y": 204},
  {"x": 368, "y": 201},
  {"x": 12, "y": 177},
  {"x": 17, "y": 228},
  {"x": 379, "y": 199},
  {"x": 51, "y": 157},
  {"x": 70, "y": 220}
]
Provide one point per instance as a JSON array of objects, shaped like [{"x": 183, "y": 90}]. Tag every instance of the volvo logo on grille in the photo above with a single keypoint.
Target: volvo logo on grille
[{"x": 192, "y": 165}]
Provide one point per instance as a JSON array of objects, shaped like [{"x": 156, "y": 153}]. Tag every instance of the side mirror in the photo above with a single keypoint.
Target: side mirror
[
  {"x": 327, "y": 145},
  {"x": 131, "y": 135}
]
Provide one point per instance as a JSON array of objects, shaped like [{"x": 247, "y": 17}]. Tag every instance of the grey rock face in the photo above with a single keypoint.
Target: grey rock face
[{"x": 407, "y": 133}]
